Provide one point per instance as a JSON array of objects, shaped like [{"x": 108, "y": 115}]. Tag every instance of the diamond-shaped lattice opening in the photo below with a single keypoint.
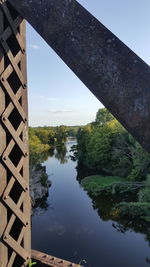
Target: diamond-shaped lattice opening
[
  {"x": 7, "y": 98},
  {"x": 6, "y": 61},
  {"x": 15, "y": 155},
  {"x": 18, "y": 261},
  {"x": 21, "y": 171},
  {"x": 16, "y": 229},
  {"x": 14, "y": 81},
  {"x": 21, "y": 208},
  {"x": 9, "y": 176},
  {"x": 9, "y": 213},
  {"x": 9, "y": 252},
  {"x": 8, "y": 136},
  {"x": 13, "y": 44},
  {"x": 16, "y": 188},
  {"x": 21, "y": 136},
  {"x": 15, "y": 118},
  {"x": 19, "y": 65},
  {"x": 20, "y": 101}
]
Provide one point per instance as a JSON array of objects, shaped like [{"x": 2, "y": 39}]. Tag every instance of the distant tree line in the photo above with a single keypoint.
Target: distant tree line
[{"x": 46, "y": 138}]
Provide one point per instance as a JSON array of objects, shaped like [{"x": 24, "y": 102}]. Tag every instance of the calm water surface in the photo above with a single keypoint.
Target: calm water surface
[{"x": 71, "y": 226}]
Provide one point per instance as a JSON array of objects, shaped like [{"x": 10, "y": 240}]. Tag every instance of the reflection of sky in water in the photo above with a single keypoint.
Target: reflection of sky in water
[
  {"x": 57, "y": 229},
  {"x": 84, "y": 230},
  {"x": 72, "y": 229}
]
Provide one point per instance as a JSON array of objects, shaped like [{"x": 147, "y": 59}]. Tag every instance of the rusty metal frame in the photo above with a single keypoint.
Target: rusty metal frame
[
  {"x": 15, "y": 241},
  {"x": 113, "y": 73},
  {"x": 48, "y": 260}
]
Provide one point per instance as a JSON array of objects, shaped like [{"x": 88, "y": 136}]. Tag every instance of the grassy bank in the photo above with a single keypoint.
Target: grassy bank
[{"x": 97, "y": 184}]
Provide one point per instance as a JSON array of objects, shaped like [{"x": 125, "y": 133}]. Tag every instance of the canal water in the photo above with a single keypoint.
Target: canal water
[{"x": 70, "y": 225}]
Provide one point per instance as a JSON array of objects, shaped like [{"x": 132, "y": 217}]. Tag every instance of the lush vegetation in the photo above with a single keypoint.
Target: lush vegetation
[
  {"x": 105, "y": 146},
  {"x": 140, "y": 208},
  {"x": 42, "y": 139},
  {"x": 107, "y": 149}
]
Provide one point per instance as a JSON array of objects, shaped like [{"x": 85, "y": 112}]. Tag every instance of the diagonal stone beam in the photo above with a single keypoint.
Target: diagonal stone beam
[{"x": 113, "y": 73}]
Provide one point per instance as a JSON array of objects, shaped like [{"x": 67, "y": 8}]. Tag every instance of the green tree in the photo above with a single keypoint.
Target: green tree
[
  {"x": 43, "y": 135},
  {"x": 60, "y": 135},
  {"x": 83, "y": 137},
  {"x": 35, "y": 148},
  {"x": 99, "y": 148},
  {"x": 103, "y": 116},
  {"x": 141, "y": 163}
]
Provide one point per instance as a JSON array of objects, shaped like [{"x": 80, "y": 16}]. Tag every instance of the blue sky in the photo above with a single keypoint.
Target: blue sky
[{"x": 56, "y": 95}]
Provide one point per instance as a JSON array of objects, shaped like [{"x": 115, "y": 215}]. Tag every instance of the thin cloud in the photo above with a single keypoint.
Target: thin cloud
[
  {"x": 46, "y": 98},
  {"x": 34, "y": 46},
  {"x": 56, "y": 111},
  {"x": 42, "y": 97}
]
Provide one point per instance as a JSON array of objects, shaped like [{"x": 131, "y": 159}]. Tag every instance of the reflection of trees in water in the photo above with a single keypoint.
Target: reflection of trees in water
[
  {"x": 104, "y": 207},
  {"x": 83, "y": 172},
  {"x": 148, "y": 260},
  {"x": 60, "y": 154},
  {"x": 50, "y": 153},
  {"x": 41, "y": 206},
  {"x": 44, "y": 156},
  {"x": 38, "y": 158},
  {"x": 39, "y": 183},
  {"x": 139, "y": 226}
]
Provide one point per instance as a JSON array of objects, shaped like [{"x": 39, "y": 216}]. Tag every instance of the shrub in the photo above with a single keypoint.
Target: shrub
[
  {"x": 135, "y": 209},
  {"x": 144, "y": 195}
]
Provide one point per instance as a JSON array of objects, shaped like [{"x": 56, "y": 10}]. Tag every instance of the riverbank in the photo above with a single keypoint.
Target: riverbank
[
  {"x": 114, "y": 186},
  {"x": 98, "y": 184},
  {"x": 39, "y": 183}
]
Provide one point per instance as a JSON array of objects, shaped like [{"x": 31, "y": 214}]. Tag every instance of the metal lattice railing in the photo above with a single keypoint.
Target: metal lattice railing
[{"x": 14, "y": 178}]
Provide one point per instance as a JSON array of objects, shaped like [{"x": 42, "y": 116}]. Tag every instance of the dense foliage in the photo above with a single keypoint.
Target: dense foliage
[{"x": 106, "y": 147}]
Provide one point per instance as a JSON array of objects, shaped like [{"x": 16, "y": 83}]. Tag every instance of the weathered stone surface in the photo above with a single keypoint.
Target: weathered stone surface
[
  {"x": 37, "y": 190},
  {"x": 113, "y": 73}
]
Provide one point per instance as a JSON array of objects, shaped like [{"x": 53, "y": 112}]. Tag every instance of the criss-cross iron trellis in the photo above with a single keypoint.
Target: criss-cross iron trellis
[{"x": 14, "y": 178}]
